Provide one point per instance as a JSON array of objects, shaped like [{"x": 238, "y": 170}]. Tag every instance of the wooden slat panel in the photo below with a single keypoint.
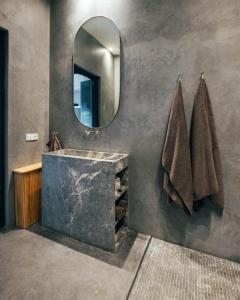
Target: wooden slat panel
[
  {"x": 34, "y": 197},
  {"x": 27, "y": 197}
]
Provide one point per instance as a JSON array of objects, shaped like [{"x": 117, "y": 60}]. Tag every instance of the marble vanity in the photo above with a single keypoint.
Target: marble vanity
[{"x": 79, "y": 194}]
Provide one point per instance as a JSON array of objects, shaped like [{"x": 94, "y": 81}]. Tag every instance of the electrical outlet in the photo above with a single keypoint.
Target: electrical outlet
[{"x": 31, "y": 137}]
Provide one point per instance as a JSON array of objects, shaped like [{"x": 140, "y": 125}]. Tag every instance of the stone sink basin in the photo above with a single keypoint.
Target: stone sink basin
[
  {"x": 78, "y": 194},
  {"x": 86, "y": 154}
]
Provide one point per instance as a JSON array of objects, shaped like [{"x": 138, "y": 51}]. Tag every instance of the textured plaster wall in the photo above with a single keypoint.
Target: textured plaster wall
[
  {"x": 159, "y": 40},
  {"x": 93, "y": 57},
  {"x": 28, "y": 24}
]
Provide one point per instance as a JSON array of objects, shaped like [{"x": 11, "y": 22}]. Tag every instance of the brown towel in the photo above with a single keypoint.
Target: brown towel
[
  {"x": 55, "y": 143},
  {"x": 119, "y": 213},
  {"x": 124, "y": 204},
  {"x": 206, "y": 163},
  {"x": 176, "y": 156}
]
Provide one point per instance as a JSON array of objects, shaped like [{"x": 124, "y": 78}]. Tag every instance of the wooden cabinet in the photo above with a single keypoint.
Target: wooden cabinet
[{"x": 27, "y": 195}]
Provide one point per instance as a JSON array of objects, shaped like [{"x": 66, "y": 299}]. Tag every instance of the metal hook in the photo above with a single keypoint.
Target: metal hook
[
  {"x": 179, "y": 77},
  {"x": 202, "y": 77}
]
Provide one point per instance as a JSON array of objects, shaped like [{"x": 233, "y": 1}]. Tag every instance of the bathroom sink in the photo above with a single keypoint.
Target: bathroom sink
[
  {"x": 79, "y": 194},
  {"x": 86, "y": 154}
]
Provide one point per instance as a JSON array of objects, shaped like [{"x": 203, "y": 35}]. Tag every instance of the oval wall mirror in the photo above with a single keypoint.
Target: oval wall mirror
[{"x": 96, "y": 77}]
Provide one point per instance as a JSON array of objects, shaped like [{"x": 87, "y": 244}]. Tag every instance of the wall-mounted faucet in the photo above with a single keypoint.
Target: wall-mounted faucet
[{"x": 93, "y": 131}]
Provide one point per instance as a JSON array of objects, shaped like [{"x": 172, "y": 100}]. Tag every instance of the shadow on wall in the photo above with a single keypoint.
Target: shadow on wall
[
  {"x": 122, "y": 77},
  {"x": 10, "y": 204},
  {"x": 176, "y": 217}
]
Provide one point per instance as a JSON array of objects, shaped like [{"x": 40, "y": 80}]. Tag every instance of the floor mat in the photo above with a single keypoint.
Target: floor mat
[{"x": 171, "y": 272}]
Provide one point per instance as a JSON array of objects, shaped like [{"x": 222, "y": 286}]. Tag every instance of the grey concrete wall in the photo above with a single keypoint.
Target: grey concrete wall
[
  {"x": 160, "y": 39},
  {"x": 93, "y": 57},
  {"x": 28, "y": 24}
]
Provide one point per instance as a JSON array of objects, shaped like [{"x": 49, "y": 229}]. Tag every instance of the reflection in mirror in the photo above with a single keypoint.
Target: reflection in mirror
[{"x": 96, "y": 72}]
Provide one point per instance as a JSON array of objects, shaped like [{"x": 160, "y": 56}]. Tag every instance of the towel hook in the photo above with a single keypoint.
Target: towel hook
[
  {"x": 179, "y": 77},
  {"x": 202, "y": 77}
]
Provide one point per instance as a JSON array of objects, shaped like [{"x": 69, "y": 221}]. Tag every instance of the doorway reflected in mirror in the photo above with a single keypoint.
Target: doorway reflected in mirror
[{"x": 86, "y": 97}]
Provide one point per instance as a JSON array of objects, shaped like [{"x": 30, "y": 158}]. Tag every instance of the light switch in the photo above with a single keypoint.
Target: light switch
[{"x": 31, "y": 137}]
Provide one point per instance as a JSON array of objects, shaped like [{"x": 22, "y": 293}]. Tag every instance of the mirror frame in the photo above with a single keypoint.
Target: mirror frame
[{"x": 120, "y": 77}]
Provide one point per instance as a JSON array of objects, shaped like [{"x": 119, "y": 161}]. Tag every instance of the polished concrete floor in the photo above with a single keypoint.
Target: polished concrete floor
[
  {"x": 43, "y": 265},
  {"x": 171, "y": 272},
  {"x": 39, "y": 264}
]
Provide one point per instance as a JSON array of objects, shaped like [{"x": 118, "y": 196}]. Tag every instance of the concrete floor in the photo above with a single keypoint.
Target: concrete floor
[
  {"x": 171, "y": 272},
  {"x": 39, "y": 264},
  {"x": 42, "y": 265}
]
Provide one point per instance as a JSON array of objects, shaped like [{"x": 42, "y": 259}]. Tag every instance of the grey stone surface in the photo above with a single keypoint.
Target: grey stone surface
[
  {"x": 28, "y": 24},
  {"x": 37, "y": 268},
  {"x": 159, "y": 40},
  {"x": 170, "y": 272},
  {"x": 78, "y": 195}
]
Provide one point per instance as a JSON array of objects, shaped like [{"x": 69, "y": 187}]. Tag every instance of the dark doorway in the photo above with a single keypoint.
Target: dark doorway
[
  {"x": 86, "y": 97},
  {"x": 87, "y": 103},
  {"x": 3, "y": 72}
]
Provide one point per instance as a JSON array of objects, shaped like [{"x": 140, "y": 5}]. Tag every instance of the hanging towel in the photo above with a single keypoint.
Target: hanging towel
[
  {"x": 176, "y": 156},
  {"x": 119, "y": 213},
  {"x": 205, "y": 156},
  {"x": 54, "y": 143}
]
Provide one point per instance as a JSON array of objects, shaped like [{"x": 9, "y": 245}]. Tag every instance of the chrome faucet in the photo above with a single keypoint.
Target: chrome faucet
[{"x": 93, "y": 131}]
